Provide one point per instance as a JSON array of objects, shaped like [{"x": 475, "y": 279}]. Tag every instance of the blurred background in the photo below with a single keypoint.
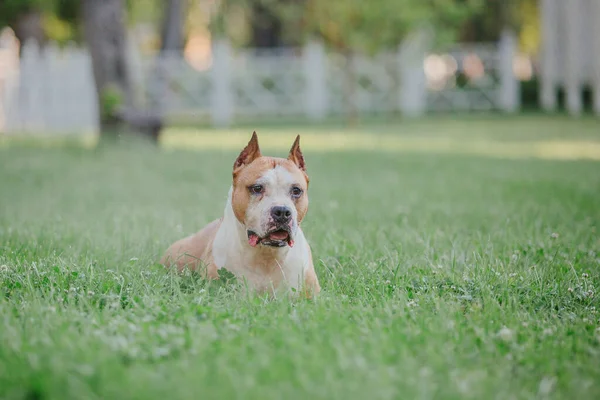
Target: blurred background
[{"x": 89, "y": 67}]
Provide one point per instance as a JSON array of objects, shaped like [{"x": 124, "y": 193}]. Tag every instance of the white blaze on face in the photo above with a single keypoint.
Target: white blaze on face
[{"x": 277, "y": 183}]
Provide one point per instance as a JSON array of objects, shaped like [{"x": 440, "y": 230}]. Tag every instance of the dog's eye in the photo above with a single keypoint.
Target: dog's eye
[
  {"x": 256, "y": 189},
  {"x": 296, "y": 192}
]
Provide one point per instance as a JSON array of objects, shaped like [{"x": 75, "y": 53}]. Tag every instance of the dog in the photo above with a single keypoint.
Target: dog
[{"x": 258, "y": 238}]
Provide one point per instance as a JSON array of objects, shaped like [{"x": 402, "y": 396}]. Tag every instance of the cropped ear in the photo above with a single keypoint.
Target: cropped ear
[
  {"x": 250, "y": 153},
  {"x": 296, "y": 155}
]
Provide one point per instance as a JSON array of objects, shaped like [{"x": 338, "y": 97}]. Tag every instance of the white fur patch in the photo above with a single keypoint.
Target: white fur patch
[{"x": 277, "y": 178}]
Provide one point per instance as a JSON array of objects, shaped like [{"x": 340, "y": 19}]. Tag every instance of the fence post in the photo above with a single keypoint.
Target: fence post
[
  {"x": 52, "y": 91},
  {"x": 573, "y": 54},
  {"x": 549, "y": 18},
  {"x": 221, "y": 96},
  {"x": 9, "y": 60},
  {"x": 509, "y": 84},
  {"x": 32, "y": 61},
  {"x": 78, "y": 91},
  {"x": 413, "y": 85},
  {"x": 74, "y": 109},
  {"x": 315, "y": 74},
  {"x": 595, "y": 16},
  {"x": 90, "y": 118}
]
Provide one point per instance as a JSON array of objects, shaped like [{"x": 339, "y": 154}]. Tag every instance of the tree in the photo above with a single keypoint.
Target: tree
[
  {"x": 266, "y": 26},
  {"x": 105, "y": 33},
  {"x": 370, "y": 26},
  {"x": 171, "y": 31},
  {"x": 40, "y": 20},
  {"x": 257, "y": 23},
  {"x": 25, "y": 17},
  {"x": 272, "y": 22},
  {"x": 488, "y": 22}
]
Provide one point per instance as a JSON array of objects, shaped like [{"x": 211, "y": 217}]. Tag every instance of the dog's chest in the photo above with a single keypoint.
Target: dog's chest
[{"x": 265, "y": 271}]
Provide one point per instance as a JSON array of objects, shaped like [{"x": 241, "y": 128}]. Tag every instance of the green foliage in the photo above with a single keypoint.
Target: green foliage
[
  {"x": 487, "y": 23},
  {"x": 60, "y": 17},
  {"x": 58, "y": 29},
  {"x": 111, "y": 100},
  {"x": 145, "y": 11},
  {"x": 10, "y": 10},
  {"x": 361, "y": 25},
  {"x": 371, "y": 26},
  {"x": 529, "y": 25}
]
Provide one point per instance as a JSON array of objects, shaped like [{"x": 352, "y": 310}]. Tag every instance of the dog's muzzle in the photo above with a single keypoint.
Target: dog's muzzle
[{"x": 280, "y": 236}]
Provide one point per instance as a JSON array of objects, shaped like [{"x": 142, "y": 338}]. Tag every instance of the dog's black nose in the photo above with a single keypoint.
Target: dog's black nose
[{"x": 281, "y": 214}]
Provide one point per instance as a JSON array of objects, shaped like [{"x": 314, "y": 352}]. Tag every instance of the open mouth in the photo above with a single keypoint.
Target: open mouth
[{"x": 276, "y": 238}]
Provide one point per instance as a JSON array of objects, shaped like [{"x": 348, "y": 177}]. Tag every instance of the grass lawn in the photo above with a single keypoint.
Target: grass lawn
[{"x": 458, "y": 259}]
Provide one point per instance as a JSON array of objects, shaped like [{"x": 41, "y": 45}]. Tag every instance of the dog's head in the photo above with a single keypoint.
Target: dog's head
[{"x": 269, "y": 194}]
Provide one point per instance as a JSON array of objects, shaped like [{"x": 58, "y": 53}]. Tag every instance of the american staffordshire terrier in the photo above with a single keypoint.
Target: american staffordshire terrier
[{"x": 259, "y": 238}]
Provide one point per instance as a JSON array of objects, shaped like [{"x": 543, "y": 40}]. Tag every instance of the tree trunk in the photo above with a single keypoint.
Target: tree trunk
[
  {"x": 28, "y": 26},
  {"x": 171, "y": 46},
  {"x": 106, "y": 35},
  {"x": 172, "y": 27},
  {"x": 104, "y": 30},
  {"x": 266, "y": 26}
]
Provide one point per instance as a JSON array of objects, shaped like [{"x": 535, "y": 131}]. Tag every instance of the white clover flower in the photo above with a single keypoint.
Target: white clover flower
[{"x": 506, "y": 334}]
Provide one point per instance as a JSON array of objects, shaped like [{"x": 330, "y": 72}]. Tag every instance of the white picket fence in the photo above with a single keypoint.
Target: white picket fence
[
  {"x": 53, "y": 91},
  {"x": 50, "y": 91},
  {"x": 570, "y": 52}
]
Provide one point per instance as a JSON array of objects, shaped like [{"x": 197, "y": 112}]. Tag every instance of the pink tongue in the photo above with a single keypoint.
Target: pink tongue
[
  {"x": 253, "y": 240},
  {"x": 278, "y": 235}
]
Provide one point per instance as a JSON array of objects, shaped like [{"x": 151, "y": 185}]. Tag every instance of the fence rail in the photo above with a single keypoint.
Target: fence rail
[{"x": 52, "y": 90}]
